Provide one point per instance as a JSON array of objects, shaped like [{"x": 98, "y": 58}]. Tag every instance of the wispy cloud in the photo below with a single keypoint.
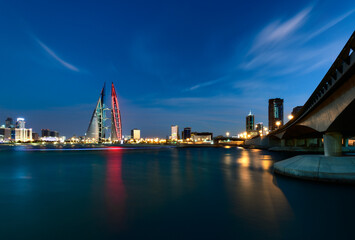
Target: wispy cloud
[
  {"x": 329, "y": 25},
  {"x": 56, "y": 57},
  {"x": 205, "y": 84},
  {"x": 284, "y": 47},
  {"x": 278, "y": 30}
]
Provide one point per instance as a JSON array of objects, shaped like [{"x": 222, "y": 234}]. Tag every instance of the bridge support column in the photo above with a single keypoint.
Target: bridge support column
[
  {"x": 283, "y": 142},
  {"x": 308, "y": 142},
  {"x": 332, "y": 144},
  {"x": 346, "y": 142}
]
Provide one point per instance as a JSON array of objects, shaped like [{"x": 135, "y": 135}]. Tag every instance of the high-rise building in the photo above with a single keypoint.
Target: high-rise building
[
  {"x": 136, "y": 134},
  {"x": 250, "y": 122},
  {"x": 20, "y": 123},
  {"x": 45, "y": 132},
  {"x": 9, "y": 123},
  {"x": 276, "y": 113},
  {"x": 97, "y": 126},
  {"x": 186, "y": 133},
  {"x": 174, "y": 132}
]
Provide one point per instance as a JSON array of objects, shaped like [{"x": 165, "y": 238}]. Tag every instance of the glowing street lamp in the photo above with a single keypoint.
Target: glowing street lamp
[
  {"x": 278, "y": 123},
  {"x": 227, "y": 134},
  {"x": 290, "y": 116}
]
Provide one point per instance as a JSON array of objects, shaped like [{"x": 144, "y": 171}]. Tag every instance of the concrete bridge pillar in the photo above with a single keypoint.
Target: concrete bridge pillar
[
  {"x": 332, "y": 143},
  {"x": 346, "y": 142},
  {"x": 308, "y": 142}
]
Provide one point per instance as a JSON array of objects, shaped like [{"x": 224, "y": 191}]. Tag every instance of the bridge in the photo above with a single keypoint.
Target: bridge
[{"x": 328, "y": 116}]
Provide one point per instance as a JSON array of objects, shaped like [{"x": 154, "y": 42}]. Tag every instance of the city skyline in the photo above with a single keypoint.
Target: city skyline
[{"x": 205, "y": 70}]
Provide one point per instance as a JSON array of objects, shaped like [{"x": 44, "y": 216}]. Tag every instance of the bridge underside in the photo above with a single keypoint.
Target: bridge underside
[{"x": 345, "y": 122}]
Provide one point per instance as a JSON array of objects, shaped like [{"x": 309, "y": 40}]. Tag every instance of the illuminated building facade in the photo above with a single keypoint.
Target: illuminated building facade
[
  {"x": 250, "y": 121},
  {"x": 276, "y": 113},
  {"x": 97, "y": 127},
  {"x": 23, "y": 134},
  {"x": 17, "y": 133},
  {"x": 116, "y": 124},
  {"x": 201, "y": 137},
  {"x": 20, "y": 123},
  {"x": 174, "y": 132},
  {"x": 136, "y": 134},
  {"x": 186, "y": 134}
]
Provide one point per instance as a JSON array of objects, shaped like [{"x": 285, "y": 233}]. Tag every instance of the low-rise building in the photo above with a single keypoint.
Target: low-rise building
[
  {"x": 201, "y": 137},
  {"x": 136, "y": 134}
]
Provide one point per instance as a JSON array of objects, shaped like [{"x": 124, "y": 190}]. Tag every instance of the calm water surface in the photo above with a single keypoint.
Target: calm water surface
[{"x": 168, "y": 193}]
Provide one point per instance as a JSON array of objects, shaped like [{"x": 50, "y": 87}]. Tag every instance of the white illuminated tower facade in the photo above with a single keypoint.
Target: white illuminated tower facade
[{"x": 174, "y": 132}]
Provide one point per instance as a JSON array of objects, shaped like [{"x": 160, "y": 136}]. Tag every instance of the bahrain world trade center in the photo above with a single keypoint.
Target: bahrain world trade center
[{"x": 99, "y": 127}]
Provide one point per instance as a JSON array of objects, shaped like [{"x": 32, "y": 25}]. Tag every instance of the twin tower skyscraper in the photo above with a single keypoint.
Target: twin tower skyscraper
[{"x": 98, "y": 126}]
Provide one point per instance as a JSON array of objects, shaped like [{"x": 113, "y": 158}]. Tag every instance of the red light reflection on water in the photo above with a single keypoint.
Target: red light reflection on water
[
  {"x": 115, "y": 148},
  {"x": 115, "y": 189}
]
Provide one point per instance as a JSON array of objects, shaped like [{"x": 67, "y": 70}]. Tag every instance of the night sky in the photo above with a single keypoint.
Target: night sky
[{"x": 199, "y": 64}]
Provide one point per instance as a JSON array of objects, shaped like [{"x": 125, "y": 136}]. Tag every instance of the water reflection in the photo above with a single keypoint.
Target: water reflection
[
  {"x": 115, "y": 190},
  {"x": 262, "y": 204},
  {"x": 202, "y": 193}
]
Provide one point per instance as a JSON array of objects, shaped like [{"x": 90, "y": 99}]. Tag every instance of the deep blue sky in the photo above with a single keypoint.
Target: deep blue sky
[{"x": 202, "y": 64}]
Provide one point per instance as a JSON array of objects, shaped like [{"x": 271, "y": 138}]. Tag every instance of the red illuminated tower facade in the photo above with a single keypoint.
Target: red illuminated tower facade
[{"x": 116, "y": 124}]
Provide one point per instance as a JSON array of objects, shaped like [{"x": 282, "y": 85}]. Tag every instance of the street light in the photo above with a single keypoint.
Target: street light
[
  {"x": 227, "y": 134},
  {"x": 290, "y": 116},
  {"x": 278, "y": 123}
]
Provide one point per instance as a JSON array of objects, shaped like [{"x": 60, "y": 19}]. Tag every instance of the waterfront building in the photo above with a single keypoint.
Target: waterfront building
[
  {"x": 9, "y": 123},
  {"x": 136, "y": 134},
  {"x": 186, "y": 134},
  {"x": 259, "y": 128},
  {"x": 54, "y": 134},
  {"x": 53, "y": 139},
  {"x": 20, "y": 123},
  {"x": 5, "y": 134},
  {"x": 276, "y": 113},
  {"x": 35, "y": 136},
  {"x": 49, "y": 133},
  {"x": 23, "y": 134},
  {"x": 250, "y": 121},
  {"x": 201, "y": 137},
  {"x": 174, "y": 132},
  {"x": 45, "y": 132},
  {"x": 97, "y": 125},
  {"x": 16, "y": 133}
]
